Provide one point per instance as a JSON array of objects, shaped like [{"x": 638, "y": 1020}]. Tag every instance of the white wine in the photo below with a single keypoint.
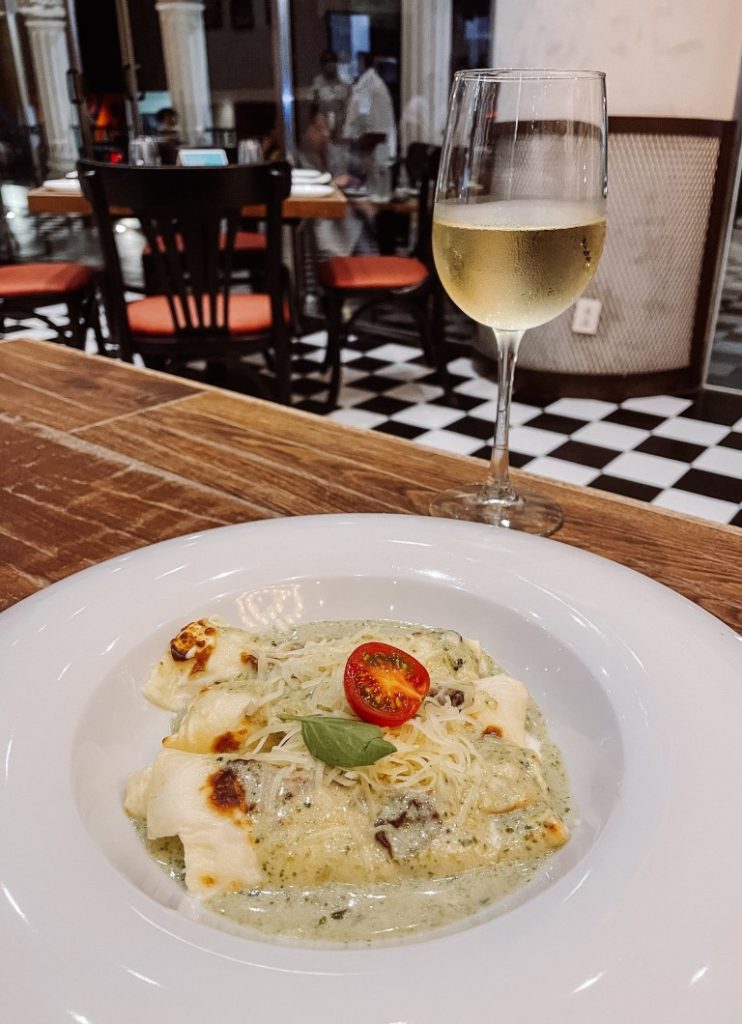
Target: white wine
[{"x": 514, "y": 264}]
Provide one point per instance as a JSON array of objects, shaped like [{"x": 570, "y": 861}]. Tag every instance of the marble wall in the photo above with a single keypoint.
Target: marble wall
[{"x": 663, "y": 58}]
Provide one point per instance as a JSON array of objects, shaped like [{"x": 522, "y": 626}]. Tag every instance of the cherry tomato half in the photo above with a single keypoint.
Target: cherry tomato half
[{"x": 383, "y": 685}]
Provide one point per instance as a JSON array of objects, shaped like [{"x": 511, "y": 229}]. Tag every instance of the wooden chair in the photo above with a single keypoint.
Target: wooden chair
[
  {"x": 190, "y": 217},
  {"x": 249, "y": 257},
  {"x": 25, "y": 288},
  {"x": 408, "y": 282},
  {"x": 416, "y": 161}
]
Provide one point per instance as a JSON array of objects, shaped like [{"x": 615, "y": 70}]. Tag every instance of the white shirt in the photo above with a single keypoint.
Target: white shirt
[{"x": 371, "y": 110}]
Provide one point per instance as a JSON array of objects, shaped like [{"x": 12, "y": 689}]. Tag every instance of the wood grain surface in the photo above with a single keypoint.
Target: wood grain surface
[{"x": 99, "y": 458}]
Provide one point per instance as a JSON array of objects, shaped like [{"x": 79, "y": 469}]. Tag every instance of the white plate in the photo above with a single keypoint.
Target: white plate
[
  {"x": 642, "y": 690},
  {"x": 308, "y": 175},
  {"x": 310, "y": 188},
  {"x": 63, "y": 184}
]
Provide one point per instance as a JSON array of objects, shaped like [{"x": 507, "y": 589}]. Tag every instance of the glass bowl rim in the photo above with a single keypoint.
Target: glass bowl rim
[{"x": 527, "y": 74}]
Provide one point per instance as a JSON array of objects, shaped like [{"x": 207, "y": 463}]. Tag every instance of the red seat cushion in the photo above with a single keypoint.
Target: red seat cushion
[
  {"x": 250, "y": 241},
  {"x": 372, "y": 272},
  {"x": 29, "y": 279},
  {"x": 248, "y": 314},
  {"x": 244, "y": 241}
]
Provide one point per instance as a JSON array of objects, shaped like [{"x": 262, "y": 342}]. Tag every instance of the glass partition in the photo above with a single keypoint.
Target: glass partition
[
  {"x": 239, "y": 44},
  {"x": 347, "y": 70}
]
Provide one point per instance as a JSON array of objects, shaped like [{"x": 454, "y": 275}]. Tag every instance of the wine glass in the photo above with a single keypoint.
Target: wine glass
[
  {"x": 144, "y": 152},
  {"x": 249, "y": 151},
  {"x": 518, "y": 230}
]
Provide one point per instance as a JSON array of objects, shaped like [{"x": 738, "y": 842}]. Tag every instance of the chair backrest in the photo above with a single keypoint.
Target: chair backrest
[
  {"x": 424, "y": 245},
  {"x": 416, "y": 161},
  {"x": 190, "y": 217}
]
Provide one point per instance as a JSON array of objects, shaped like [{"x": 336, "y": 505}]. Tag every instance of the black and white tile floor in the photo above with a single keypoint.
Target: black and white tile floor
[{"x": 677, "y": 453}]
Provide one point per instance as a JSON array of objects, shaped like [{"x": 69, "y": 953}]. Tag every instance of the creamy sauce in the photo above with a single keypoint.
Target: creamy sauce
[{"x": 383, "y": 911}]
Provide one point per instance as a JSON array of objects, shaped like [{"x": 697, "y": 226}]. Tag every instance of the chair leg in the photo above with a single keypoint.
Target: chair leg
[
  {"x": 282, "y": 363},
  {"x": 435, "y": 312},
  {"x": 93, "y": 320},
  {"x": 429, "y": 317},
  {"x": 291, "y": 299},
  {"x": 216, "y": 373},
  {"x": 90, "y": 318},
  {"x": 422, "y": 317},
  {"x": 331, "y": 314},
  {"x": 78, "y": 320},
  {"x": 335, "y": 338},
  {"x": 154, "y": 362}
]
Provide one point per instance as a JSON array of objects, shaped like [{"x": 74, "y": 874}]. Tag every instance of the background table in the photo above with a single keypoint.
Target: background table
[
  {"x": 99, "y": 458},
  {"x": 60, "y": 202}
]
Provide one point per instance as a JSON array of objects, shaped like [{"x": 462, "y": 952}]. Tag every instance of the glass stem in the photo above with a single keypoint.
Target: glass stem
[{"x": 498, "y": 478}]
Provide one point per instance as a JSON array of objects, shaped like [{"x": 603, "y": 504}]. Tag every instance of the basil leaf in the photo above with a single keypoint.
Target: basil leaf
[{"x": 343, "y": 742}]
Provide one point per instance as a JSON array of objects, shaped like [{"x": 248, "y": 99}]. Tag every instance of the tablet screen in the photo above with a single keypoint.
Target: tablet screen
[{"x": 202, "y": 158}]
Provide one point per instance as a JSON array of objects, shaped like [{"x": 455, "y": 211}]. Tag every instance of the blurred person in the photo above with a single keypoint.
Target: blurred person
[
  {"x": 354, "y": 234},
  {"x": 331, "y": 93},
  {"x": 166, "y": 120},
  {"x": 370, "y": 123},
  {"x": 168, "y": 136},
  {"x": 318, "y": 151},
  {"x": 260, "y": 121},
  {"x": 270, "y": 143}
]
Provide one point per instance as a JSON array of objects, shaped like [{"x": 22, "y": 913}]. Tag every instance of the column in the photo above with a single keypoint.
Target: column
[
  {"x": 46, "y": 26},
  {"x": 426, "y": 63},
  {"x": 283, "y": 76},
  {"x": 186, "y": 66}
]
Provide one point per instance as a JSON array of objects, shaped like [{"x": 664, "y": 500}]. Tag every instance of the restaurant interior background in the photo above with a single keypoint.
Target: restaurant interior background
[{"x": 224, "y": 63}]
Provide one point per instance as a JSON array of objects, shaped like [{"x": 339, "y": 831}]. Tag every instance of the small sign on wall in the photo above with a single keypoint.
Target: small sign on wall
[{"x": 586, "y": 316}]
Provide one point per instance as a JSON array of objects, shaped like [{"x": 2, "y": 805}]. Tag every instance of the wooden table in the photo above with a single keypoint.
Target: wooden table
[
  {"x": 99, "y": 458},
  {"x": 331, "y": 207}
]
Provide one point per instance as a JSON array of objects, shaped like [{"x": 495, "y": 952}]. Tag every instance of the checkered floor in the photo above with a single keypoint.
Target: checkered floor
[{"x": 678, "y": 453}]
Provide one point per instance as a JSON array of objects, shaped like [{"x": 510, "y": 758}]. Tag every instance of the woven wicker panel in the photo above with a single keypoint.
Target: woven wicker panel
[{"x": 659, "y": 198}]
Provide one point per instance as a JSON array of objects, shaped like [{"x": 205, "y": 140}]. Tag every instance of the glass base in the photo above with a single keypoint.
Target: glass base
[{"x": 526, "y": 512}]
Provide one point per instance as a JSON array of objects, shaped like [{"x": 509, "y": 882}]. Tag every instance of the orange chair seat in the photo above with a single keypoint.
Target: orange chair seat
[
  {"x": 244, "y": 241},
  {"x": 29, "y": 279},
  {"x": 250, "y": 241},
  {"x": 372, "y": 272},
  {"x": 248, "y": 314}
]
